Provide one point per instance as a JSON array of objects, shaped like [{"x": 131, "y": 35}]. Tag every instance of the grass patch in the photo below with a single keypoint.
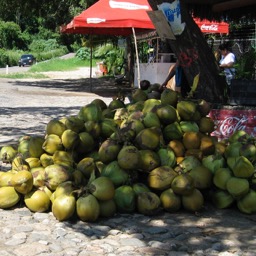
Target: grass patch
[
  {"x": 23, "y": 75},
  {"x": 61, "y": 65}
]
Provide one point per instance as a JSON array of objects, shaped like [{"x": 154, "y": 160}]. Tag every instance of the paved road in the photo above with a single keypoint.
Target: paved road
[{"x": 17, "y": 69}]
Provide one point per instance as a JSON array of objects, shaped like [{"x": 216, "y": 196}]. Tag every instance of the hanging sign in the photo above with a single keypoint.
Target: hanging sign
[
  {"x": 162, "y": 27},
  {"x": 172, "y": 13}
]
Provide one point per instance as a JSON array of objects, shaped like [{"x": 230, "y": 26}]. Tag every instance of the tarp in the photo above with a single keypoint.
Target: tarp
[{"x": 112, "y": 17}]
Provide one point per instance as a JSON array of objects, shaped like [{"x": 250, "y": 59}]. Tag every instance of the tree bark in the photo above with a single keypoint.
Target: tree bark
[{"x": 196, "y": 58}]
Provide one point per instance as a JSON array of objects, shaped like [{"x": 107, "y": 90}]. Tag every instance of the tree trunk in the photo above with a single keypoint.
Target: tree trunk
[{"x": 196, "y": 57}]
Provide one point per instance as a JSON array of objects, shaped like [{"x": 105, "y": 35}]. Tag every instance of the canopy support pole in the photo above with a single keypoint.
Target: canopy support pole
[
  {"x": 137, "y": 56},
  {"x": 90, "y": 63}
]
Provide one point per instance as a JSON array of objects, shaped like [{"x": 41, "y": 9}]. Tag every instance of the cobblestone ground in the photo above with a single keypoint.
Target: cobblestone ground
[{"x": 26, "y": 107}]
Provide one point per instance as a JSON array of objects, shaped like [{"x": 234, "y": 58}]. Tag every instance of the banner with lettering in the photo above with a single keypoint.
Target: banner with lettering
[
  {"x": 227, "y": 121},
  {"x": 212, "y": 27}
]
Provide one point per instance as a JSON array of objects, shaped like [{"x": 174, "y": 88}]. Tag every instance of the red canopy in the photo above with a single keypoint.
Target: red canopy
[
  {"x": 112, "y": 17},
  {"x": 207, "y": 26},
  {"x": 118, "y": 17}
]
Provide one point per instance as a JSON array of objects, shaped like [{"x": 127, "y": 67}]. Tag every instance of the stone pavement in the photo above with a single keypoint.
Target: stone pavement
[{"x": 26, "y": 107}]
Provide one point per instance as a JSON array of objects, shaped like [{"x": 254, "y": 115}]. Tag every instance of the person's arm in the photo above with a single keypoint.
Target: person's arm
[
  {"x": 228, "y": 65},
  {"x": 170, "y": 75}
]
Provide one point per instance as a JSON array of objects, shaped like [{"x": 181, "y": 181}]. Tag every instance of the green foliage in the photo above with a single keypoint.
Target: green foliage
[
  {"x": 11, "y": 36},
  {"x": 84, "y": 53},
  {"x": 112, "y": 56},
  {"x": 245, "y": 65},
  {"x": 43, "y": 45}
]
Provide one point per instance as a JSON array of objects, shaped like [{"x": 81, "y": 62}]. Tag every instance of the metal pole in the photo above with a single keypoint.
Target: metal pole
[{"x": 137, "y": 57}]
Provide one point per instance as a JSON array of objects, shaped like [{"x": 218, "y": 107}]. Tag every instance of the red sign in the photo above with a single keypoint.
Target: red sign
[
  {"x": 207, "y": 26},
  {"x": 227, "y": 121}
]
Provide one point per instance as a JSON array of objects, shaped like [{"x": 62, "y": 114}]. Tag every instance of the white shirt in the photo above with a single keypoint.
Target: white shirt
[{"x": 230, "y": 57}]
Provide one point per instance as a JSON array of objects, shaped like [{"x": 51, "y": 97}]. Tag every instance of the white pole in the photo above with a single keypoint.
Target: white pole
[
  {"x": 137, "y": 57},
  {"x": 7, "y": 70}
]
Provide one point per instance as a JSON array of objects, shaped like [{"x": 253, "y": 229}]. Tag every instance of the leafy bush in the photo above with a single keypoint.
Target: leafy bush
[
  {"x": 112, "y": 56},
  {"x": 84, "y": 53},
  {"x": 11, "y": 36},
  {"x": 246, "y": 64},
  {"x": 43, "y": 45}
]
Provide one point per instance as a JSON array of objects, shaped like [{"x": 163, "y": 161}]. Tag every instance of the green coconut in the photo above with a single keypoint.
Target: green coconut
[
  {"x": 63, "y": 158},
  {"x": 93, "y": 128},
  {"x": 108, "y": 127},
  {"x": 247, "y": 204},
  {"x": 86, "y": 166},
  {"x": 238, "y": 135},
  {"x": 172, "y": 132},
  {"x": 90, "y": 112},
  {"x": 238, "y": 187},
  {"x": 114, "y": 172},
  {"x": 9, "y": 197},
  {"x": 100, "y": 103},
  {"x": 241, "y": 166},
  {"x": 214, "y": 162},
  {"x": 170, "y": 201},
  {"x": 139, "y": 95},
  {"x": 128, "y": 158},
  {"x": 125, "y": 199},
  {"x": 186, "y": 110},
  {"x": 56, "y": 127},
  {"x": 151, "y": 119},
  {"x": 150, "y": 105},
  {"x": 74, "y": 123},
  {"x": 38, "y": 174},
  {"x": 109, "y": 150},
  {"x": 46, "y": 159},
  {"x": 115, "y": 104},
  {"x": 139, "y": 187},
  {"x": 107, "y": 208},
  {"x": 52, "y": 143},
  {"x": 169, "y": 97},
  {"x": 183, "y": 184},
  {"x": 55, "y": 174},
  {"x": 22, "y": 181},
  {"x": 33, "y": 162},
  {"x": 161, "y": 177},
  {"x": 189, "y": 162},
  {"x": 189, "y": 126},
  {"x": 221, "y": 177},
  {"x": 222, "y": 199},
  {"x": 167, "y": 157},
  {"x": 102, "y": 188},
  {"x": 167, "y": 114},
  {"x": 7, "y": 153},
  {"x": 202, "y": 177},
  {"x": 148, "y": 203},
  {"x": 233, "y": 149},
  {"x": 148, "y": 138},
  {"x": 206, "y": 125},
  {"x": 86, "y": 143},
  {"x": 194, "y": 201},
  {"x": 149, "y": 160},
  {"x": 37, "y": 201},
  {"x": 63, "y": 207},
  {"x": 69, "y": 139}
]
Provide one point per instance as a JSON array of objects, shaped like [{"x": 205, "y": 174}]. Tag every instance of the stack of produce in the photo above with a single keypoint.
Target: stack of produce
[{"x": 153, "y": 154}]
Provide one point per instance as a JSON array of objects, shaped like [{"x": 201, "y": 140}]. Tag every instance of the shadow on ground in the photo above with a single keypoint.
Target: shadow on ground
[{"x": 103, "y": 86}]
